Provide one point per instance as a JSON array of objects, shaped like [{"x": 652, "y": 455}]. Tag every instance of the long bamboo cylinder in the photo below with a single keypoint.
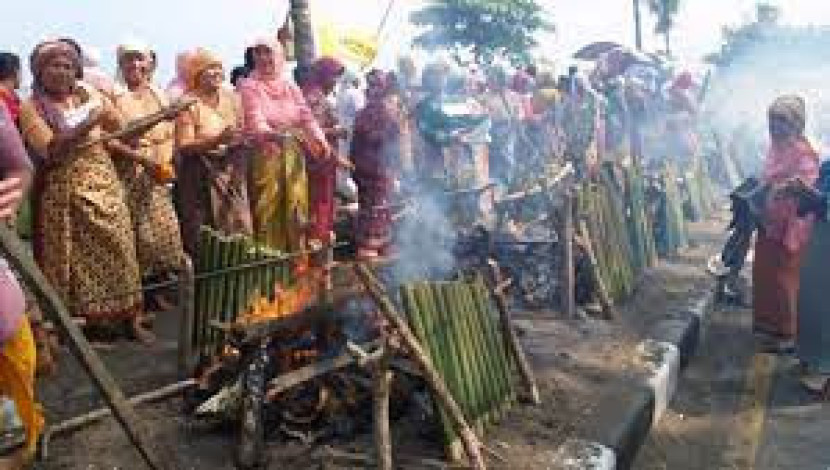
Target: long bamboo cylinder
[
  {"x": 470, "y": 441},
  {"x": 490, "y": 375},
  {"x": 452, "y": 348},
  {"x": 201, "y": 291},
  {"x": 502, "y": 364},
  {"x": 568, "y": 266},
  {"x": 212, "y": 256},
  {"x": 468, "y": 353}
]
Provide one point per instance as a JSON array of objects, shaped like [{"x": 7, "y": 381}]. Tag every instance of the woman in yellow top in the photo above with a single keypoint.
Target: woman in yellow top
[
  {"x": 83, "y": 237},
  {"x": 212, "y": 188},
  {"x": 158, "y": 239}
]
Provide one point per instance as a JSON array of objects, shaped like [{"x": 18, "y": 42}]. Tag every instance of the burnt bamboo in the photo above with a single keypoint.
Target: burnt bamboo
[
  {"x": 472, "y": 445},
  {"x": 510, "y": 337}
]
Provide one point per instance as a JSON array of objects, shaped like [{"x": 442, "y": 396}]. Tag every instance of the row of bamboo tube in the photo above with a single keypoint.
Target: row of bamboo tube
[
  {"x": 226, "y": 294},
  {"x": 459, "y": 328},
  {"x": 623, "y": 235}
]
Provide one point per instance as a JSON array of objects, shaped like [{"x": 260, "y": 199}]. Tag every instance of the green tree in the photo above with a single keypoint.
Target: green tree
[
  {"x": 737, "y": 41},
  {"x": 666, "y": 12},
  {"x": 485, "y": 28}
]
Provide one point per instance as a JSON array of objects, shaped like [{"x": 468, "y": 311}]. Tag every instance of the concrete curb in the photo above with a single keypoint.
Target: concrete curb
[{"x": 626, "y": 412}]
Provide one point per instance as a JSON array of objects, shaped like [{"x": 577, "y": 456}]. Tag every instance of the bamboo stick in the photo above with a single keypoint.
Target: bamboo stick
[
  {"x": 472, "y": 445},
  {"x": 511, "y": 338},
  {"x": 485, "y": 375},
  {"x": 568, "y": 267},
  {"x": 446, "y": 330},
  {"x": 602, "y": 292},
  {"x": 467, "y": 354},
  {"x": 156, "y": 455},
  {"x": 505, "y": 364},
  {"x": 381, "y": 389}
]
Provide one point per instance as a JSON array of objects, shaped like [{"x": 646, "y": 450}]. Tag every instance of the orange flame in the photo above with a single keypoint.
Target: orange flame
[{"x": 287, "y": 300}]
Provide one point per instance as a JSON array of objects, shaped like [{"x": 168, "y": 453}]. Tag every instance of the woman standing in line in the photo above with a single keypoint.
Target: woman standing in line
[
  {"x": 212, "y": 183},
  {"x": 273, "y": 107},
  {"x": 158, "y": 239},
  {"x": 83, "y": 238}
]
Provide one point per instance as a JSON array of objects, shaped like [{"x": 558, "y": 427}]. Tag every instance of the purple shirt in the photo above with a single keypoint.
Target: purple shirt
[{"x": 12, "y": 301}]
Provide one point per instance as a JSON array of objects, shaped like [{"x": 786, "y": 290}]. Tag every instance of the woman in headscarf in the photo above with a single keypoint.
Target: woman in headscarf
[
  {"x": 17, "y": 345},
  {"x": 783, "y": 233},
  {"x": 212, "y": 184},
  {"x": 158, "y": 239},
  {"x": 274, "y": 107},
  {"x": 375, "y": 150},
  {"x": 178, "y": 85},
  {"x": 322, "y": 174},
  {"x": 83, "y": 238}
]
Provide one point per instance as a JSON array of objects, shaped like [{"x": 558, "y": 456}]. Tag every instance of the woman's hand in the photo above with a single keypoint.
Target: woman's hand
[{"x": 12, "y": 191}]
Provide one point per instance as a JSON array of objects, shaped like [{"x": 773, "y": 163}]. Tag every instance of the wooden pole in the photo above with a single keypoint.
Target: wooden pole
[
  {"x": 157, "y": 456},
  {"x": 382, "y": 386},
  {"x": 605, "y": 301},
  {"x": 472, "y": 445},
  {"x": 187, "y": 307},
  {"x": 568, "y": 266},
  {"x": 510, "y": 336}
]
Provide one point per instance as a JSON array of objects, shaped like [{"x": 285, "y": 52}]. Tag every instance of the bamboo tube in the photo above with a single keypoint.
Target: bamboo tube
[
  {"x": 453, "y": 351},
  {"x": 472, "y": 445},
  {"x": 466, "y": 352},
  {"x": 498, "y": 362},
  {"x": 186, "y": 307},
  {"x": 509, "y": 336},
  {"x": 486, "y": 375},
  {"x": 505, "y": 364},
  {"x": 202, "y": 292},
  {"x": 424, "y": 318},
  {"x": 604, "y": 298},
  {"x": 232, "y": 286},
  {"x": 212, "y": 257}
]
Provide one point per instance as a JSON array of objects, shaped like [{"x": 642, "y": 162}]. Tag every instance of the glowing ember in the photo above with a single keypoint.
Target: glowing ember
[{"x": 287, "y": 300}]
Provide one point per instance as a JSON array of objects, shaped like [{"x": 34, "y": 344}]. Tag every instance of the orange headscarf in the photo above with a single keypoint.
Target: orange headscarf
[{"x": 196, "y": 64}]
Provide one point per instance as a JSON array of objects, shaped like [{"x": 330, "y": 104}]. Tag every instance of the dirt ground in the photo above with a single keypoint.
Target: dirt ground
[{"x": 572, "y": 359}]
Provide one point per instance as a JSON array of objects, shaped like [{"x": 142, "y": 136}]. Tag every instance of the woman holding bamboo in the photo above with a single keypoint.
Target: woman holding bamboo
[
  {"x": 148, "y": 167},
  {"x": 274, "y": 108},
  {"x": 83, "y": 238},
  {"x": 212, "y": 184}
]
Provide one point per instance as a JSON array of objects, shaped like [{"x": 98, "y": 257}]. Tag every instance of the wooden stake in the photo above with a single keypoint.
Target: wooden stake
[
  {"x": 511, "y": 338},
  {"x": 157, "y": 457},
  {"x": 568, "y": 266},
  {"x": 472, "y": 446},
  {"x": 382, "y": 385},
  {"x": 187, "y": 288},
  {"x": 605, "y": 301}
]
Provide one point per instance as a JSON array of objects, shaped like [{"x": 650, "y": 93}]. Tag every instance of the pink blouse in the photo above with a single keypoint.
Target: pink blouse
[
  {"x": 276, "y": 105},
  {"x": 12, "y": 301}
]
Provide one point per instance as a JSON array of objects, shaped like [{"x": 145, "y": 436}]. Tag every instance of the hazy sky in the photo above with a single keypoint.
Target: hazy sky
[{"x": 225, "y": 25}]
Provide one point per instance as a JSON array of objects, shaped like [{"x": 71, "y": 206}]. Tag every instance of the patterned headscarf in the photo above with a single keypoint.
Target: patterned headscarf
[
  {"x": 46, "y": 52},
  {"x": 199, "y": 61},
  {"x": 792, "y": 110}
]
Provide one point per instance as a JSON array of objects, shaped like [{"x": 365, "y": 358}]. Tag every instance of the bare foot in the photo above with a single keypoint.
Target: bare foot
[{"x": 142, "y": 334}]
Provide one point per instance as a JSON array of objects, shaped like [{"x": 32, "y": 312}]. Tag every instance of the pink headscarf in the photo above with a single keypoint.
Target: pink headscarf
[{"x": 273, "y": 103}]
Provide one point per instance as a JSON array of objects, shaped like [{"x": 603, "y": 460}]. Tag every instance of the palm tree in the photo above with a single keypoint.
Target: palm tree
[
  {"x": 638, "y": 26},
  {"x": 304, "y": 49},
  {"x": 666, "y": 11}
]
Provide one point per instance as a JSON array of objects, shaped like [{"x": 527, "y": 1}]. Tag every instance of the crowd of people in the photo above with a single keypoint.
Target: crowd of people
[{"x": 122, "y": 175}]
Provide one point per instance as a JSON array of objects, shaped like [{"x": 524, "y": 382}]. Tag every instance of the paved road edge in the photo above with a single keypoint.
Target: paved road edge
[{"x": 627, "y": 411}]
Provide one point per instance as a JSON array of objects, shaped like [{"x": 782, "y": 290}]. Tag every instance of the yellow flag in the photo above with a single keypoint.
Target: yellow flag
[{"x": 355, "y": 46}]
